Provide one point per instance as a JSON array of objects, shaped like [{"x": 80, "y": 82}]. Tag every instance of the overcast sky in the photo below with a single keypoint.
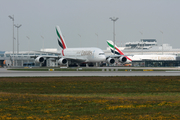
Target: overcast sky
[{"x": 86, "y": 22}]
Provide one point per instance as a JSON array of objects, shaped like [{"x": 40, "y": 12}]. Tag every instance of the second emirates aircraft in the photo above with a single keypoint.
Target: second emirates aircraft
[{"x": 131, "y": 58}]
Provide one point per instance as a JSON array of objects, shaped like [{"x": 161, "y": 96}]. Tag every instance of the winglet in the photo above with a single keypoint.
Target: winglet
[{"x": 61, "y": 41}]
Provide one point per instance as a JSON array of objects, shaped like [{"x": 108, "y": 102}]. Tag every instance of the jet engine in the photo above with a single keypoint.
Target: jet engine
[
  {"x": 39, "y": 59},
  {"x": 122, "y": 59},
  {"x": 110, "y": 60},
  {"x": 62, "y": 61}
]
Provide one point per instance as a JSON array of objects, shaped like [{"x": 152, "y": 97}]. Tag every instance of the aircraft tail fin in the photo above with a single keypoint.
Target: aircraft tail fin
[
  {"x": 112, "y": 46},
  {"x": 117, "y": 51},
  {"x": 61, "y": 41}
]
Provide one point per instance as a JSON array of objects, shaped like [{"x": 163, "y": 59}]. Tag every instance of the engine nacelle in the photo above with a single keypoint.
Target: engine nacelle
[
  {"x": 39, "y": 59},
  {"x": 62, "y": 61},
  {"x": 110, "y": 60},
  {"x": 122, "y": 59}
]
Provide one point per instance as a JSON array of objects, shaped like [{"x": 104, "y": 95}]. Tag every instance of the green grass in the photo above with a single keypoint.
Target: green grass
[{"x": 90, "y": 98}]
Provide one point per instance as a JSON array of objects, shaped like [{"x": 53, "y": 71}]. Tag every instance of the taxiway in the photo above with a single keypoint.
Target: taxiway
[{"x": 11, "y": 73}]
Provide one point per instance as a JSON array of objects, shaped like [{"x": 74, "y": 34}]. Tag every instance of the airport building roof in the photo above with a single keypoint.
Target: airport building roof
[{"x": 2, "y": 52}]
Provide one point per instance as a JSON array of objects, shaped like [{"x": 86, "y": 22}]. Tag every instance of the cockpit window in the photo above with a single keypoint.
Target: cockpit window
[{"x": 101, "y": 54}]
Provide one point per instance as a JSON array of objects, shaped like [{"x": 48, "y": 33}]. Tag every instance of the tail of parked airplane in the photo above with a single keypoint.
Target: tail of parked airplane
[
  {"x": 61, "y": 41},
  {"x": 117, "y": 51},
  {"x": 112, "y": 46}
]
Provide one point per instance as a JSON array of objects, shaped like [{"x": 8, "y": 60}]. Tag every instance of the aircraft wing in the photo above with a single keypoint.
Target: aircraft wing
[
  {"x": 49, "y": 52},
  {"x": 58, "y": 53},
  {"x": 45, "y": 56},
  {"x": 114, "y": 56},
  {"x": 58, "y": 57},
  {"x": 75, "y": 59},
  {"x": 117, "y": 56}
]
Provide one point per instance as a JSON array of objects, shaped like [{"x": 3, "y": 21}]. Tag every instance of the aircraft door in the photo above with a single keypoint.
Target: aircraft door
[{"x": 93, "y": 54}]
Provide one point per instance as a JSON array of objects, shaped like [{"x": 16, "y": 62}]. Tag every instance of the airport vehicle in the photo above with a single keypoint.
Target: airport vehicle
[
  {"x": 72, "y": 56},
  {"x": 139, "y": 57}
]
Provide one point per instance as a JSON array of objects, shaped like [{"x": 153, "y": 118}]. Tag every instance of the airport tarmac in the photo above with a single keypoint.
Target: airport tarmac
[{"x": 11, "y": 73}]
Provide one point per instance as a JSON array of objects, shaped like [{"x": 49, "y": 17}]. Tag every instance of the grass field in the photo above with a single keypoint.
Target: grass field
[{"x": 90, "y": 98}]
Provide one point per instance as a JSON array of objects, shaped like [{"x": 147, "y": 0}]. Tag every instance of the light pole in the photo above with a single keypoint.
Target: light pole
[
  {"x": 142, "y": 40},
  {"x": 162, "y": 42},
  {"x": 97, "y": 38},
  {"x": 12, "y": 17},
  {"x": 114, "y": 20},
  {"x": 80, "y": 40},
  {"x": 28, "y": 44},
  {"x": 17, "y": 26},
  {"x": 43, "y": 42}
]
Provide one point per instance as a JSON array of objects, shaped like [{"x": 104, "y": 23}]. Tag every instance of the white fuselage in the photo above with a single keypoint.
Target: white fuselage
[
  {"x": 87, "y": 54},
  {"x": 151, "y": 57}
]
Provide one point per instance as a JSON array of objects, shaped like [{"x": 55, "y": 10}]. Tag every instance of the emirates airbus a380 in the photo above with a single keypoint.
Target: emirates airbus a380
[
  {"x": 129, "y": 59},
  {"x": 75, "y": 55}
]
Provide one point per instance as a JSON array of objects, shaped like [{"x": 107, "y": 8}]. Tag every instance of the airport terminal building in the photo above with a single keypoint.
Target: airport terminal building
[{"x": 25, "y": 58}]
